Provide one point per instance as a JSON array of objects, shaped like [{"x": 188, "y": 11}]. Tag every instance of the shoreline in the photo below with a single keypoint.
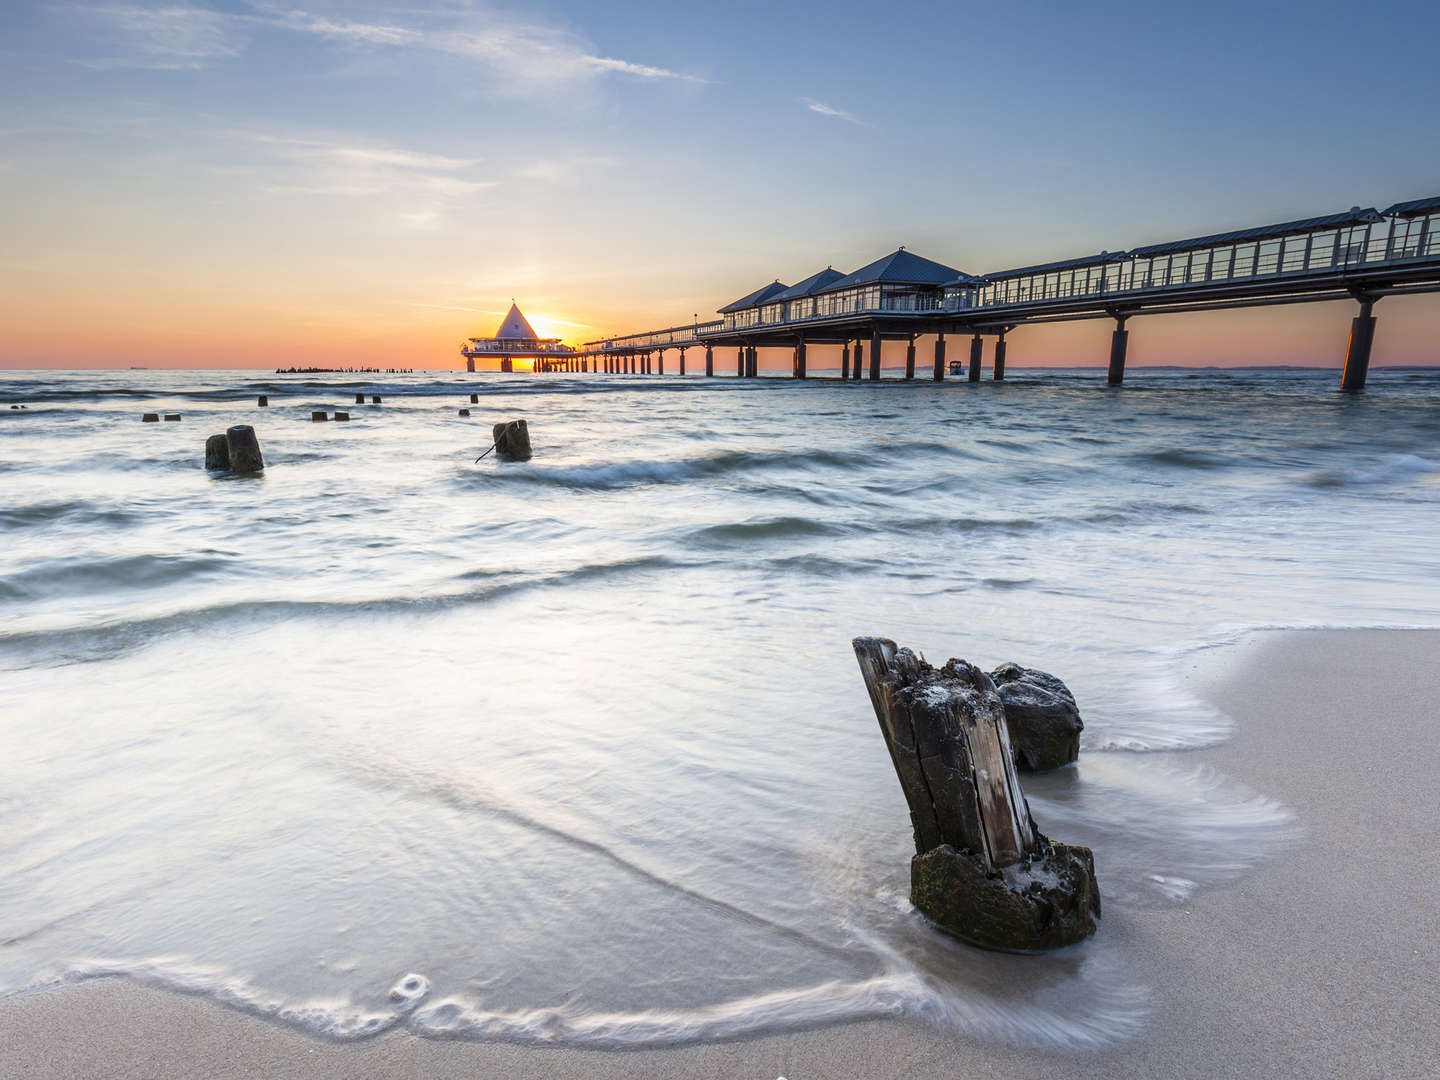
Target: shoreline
[{"x": 1319, "y": 961}]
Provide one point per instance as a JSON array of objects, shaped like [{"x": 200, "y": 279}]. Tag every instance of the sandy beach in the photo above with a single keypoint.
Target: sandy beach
[{"x": 1319, "y": 962}]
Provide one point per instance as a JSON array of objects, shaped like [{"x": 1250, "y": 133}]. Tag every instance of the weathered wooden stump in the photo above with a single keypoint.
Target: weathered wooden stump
[
  {"x": 342, "y": 416},
  {"x": 317, "y": 417},
  {"x": 512, "y": 440},
  {"x": 464, "y": 412},
  {"x": 171, "y": 417},
  {"x": 1043, "y": 718},
  {"x": 150, "y": 418},
  {"x": 359, "y": 399},
  {"x": 262, "y": 401},
  {"x": 243, "y": 447},
  {"x": 474, "y": 399},
  {"x": 375, "y": 399},
  {"x": 217, "y": 453},
  {"x": 982, "y": 870}
]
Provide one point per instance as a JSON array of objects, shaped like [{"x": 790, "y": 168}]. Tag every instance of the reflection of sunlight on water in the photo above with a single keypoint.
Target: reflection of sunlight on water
[{"x": 582, "y": 744}]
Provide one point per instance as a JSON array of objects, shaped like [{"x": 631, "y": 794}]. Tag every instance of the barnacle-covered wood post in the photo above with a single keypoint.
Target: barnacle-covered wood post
[{"x": 981, "y": 869}]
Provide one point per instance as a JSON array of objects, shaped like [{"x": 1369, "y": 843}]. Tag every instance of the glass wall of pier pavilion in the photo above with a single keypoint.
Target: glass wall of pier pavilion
[{"x": 899, "y": 282}]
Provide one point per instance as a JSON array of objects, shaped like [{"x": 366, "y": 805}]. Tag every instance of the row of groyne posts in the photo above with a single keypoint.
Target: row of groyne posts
[{"x": 1360, "y": 255}]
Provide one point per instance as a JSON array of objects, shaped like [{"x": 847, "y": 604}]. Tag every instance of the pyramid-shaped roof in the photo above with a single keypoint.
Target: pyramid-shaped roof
[
  {"x": 812, "y": 284},
  {"x": 900, "y": 267},
  {"x": 516, "y": 326},
  {"x": 755, "y": 299}
]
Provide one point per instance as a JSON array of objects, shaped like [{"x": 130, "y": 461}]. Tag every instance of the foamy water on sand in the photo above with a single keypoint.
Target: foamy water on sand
[{"x": 575, "y": 751}]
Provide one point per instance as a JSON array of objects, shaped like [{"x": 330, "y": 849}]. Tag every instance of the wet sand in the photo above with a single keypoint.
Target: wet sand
[{"x": 1323, "y": 961}]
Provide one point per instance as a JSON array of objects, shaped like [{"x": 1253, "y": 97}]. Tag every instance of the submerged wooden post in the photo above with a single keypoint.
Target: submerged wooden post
[
  {"x": 981, "y": 870},
  {"x": 243, "y": 449},
  {"x": 512, "y": 440},
  {"x": 217, "y": 453}
]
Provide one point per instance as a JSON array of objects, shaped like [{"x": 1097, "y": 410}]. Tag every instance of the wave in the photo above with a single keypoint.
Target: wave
[
  {"x": 66, "y": 577},
  {"x": 1111, "y": 1012},
  {"x": 71, "y": 512},
  {"x": 1176, "y": 457},
  {"x": 767, "y": 528},
  {"x": 1389, "y": 469},
  {"x": 85, "y": 644}
]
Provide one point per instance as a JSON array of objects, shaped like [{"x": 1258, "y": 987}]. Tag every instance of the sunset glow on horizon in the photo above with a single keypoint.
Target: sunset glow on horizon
[{"x": 243, "y": 184}]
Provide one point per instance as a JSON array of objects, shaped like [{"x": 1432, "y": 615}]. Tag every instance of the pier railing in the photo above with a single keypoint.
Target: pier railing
[{"x": 652, "y": 339}]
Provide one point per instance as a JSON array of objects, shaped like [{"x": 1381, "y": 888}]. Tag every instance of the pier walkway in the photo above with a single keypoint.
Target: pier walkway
[{"x": 1359, "y": 255}]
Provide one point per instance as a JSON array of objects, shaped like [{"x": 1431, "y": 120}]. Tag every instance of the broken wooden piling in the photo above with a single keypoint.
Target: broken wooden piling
[
  {"x": 512, "y": 440},
  {"x": 982, "y": 870}
]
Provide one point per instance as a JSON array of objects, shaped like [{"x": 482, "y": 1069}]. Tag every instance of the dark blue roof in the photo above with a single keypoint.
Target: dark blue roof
[
  {"x": 1353, "y": 216},
  {"x": 899, "y": 267},
  {"x": 812, "y": 284},
  {"x": 1414, "y": 208},
  {"x": 756, "y": 298}
]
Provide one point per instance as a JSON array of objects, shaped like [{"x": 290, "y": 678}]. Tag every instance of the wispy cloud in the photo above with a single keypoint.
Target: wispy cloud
[
  {"x": 523, "y": 52},
  {"x": 166, "y": 37},
  {"x": 419, "y": 190},
  {"x": 644, "y": 71},
  {"x": 826, "y": 110}
]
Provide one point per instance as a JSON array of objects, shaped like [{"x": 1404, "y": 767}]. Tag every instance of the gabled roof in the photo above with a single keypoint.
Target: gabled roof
[
  {"x": 756, "y": 298},
  {"x": 1413, "y": 208},
  {"x": 516, "y": 326},
  {"x": 899, "y": 267},
  {"x": 1063, "y": 264},
  {"x": 1353, "y": 216},
  {"x": 812, "y": 284}
]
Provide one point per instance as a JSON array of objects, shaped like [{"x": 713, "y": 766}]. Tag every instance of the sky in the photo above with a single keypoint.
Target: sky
[{"x": 259, "y": 184}]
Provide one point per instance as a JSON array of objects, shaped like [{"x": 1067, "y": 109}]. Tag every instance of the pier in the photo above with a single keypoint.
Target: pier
[{"x": 1359, "y": 256}]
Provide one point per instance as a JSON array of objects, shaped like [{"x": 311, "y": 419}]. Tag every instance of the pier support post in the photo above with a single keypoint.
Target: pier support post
[
  {"x": 875, "y": 355},
  {"x": 660, "y": 366},
  {"x": 940, "y": 358},
  {"x": 740, "y": 362},
  {"x": 799, "y": 364},
  {"x": 682, "y": 362},
  {"x": 709, "y": 361},
  {"x": 1000, "y": 357},
  {"x": 859, "y": 358},
  {"x": 1118, "y": 342},
  {"x": 1357, "y": 353},
  {"x": 845, "y": 363},
  {"x": 910, "y": 359},
  {"x": 977, "y": 352}
]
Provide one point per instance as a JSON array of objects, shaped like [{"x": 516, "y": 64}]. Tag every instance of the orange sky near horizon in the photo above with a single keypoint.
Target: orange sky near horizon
[{"x": 188, "y": 325}]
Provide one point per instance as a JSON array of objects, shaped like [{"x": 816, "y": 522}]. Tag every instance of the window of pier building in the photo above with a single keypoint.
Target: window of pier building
[
  {"x": 961, "y": 296},
  {"x": 772, "y": 313},
  {"x": 802, "y": 308},
  {"x": 846, "y": 301},
  {"x": 910, "y": 298},
  {"x": 735, "y": 320}
]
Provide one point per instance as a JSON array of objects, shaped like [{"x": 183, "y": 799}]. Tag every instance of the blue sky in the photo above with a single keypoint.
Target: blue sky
[{"x": 618, "y": 165}]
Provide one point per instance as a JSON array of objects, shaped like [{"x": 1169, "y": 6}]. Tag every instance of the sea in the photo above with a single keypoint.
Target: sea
[{"x": 575, "y": 751}]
